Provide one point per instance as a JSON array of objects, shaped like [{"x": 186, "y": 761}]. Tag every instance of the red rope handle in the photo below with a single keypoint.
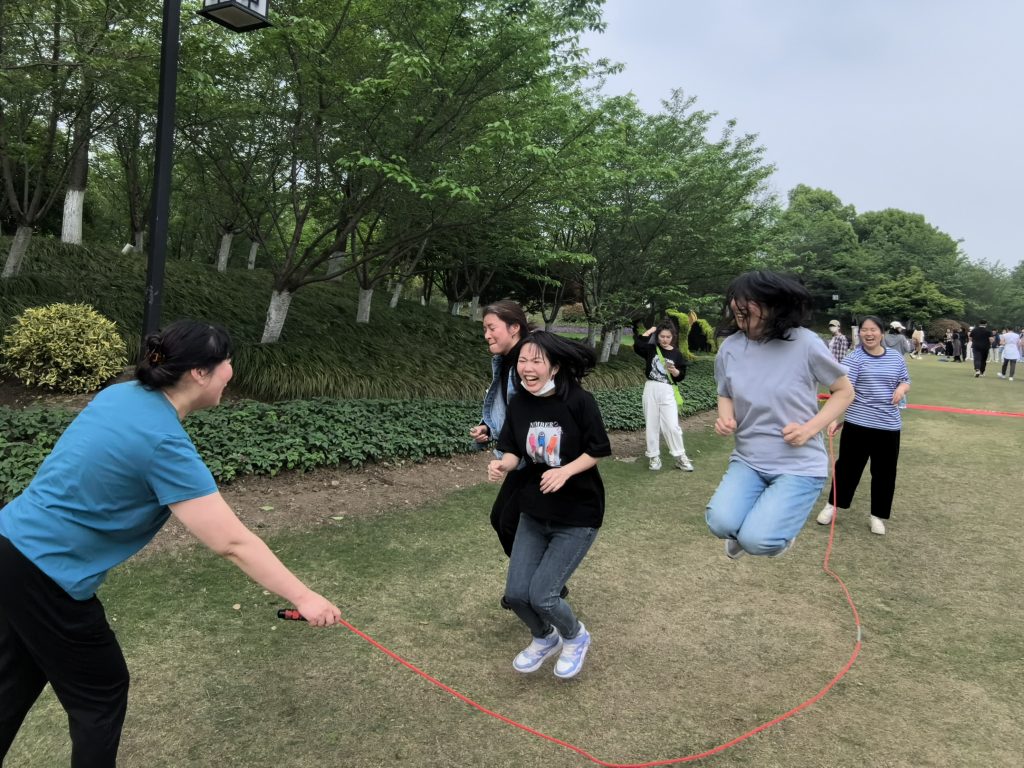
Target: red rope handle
[{"x": 291, "y": 614}]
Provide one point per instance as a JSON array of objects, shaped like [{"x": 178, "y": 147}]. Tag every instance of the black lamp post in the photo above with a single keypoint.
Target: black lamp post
[{"x": 238, "y": 15}]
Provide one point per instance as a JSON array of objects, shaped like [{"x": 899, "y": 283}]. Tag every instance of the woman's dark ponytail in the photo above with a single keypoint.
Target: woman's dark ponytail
[{"x": 181, "y": 347}]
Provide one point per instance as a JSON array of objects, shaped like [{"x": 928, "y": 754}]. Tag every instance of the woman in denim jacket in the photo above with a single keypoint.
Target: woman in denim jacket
[{"x": 505, "y": 324}]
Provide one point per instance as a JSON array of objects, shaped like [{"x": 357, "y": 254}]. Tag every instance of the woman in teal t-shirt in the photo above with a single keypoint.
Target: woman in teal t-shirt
[{"x": 122, "y": 467}]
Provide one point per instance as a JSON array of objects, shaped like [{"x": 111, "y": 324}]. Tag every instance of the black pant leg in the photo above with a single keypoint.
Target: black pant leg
[
  {"x": 885, "y": 454},
  {"x": 505, "y": 511},
  {"x": 72, "y": 645},
  {"x": 853, "y": 457},
  {"x": 21, "y": 681}
]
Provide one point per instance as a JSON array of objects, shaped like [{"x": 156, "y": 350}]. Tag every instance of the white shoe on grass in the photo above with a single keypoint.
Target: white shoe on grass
[
  {"x": 655, "y": 464},
  {"x": 537, "y": 652},
  {"x": 574, "y": 651},
  {"x": 683, "y": 463},
  {"x": 877, "y": 525},
  {"x": 826, "y": 514}
]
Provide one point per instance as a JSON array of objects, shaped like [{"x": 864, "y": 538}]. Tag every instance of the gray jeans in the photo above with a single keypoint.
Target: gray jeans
[{"x": 544, "y": 556}]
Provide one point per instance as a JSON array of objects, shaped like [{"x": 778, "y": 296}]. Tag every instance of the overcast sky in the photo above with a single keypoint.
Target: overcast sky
[{"x": 909, "y": 104}]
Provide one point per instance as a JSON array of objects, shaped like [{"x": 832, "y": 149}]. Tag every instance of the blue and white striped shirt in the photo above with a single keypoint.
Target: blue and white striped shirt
[{"x": 874, "y": 380}]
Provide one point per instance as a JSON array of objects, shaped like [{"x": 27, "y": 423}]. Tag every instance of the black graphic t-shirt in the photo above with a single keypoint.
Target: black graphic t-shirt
[
  {"x": 647, "y": 348},
  {"x": 551, "y": 432}
]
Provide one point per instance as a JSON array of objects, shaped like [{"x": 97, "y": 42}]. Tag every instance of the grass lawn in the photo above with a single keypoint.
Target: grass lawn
[{"x": 690, "y": 649}]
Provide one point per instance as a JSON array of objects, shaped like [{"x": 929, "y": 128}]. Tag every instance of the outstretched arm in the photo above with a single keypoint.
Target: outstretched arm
[{"x": 216, "y": 525}]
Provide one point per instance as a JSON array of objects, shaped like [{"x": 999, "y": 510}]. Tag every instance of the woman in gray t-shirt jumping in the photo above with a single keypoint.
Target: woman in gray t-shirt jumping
[{"x": 768, "y": 373}]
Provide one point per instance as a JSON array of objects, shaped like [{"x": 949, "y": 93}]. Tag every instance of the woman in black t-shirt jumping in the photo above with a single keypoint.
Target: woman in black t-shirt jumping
[{"x": 556, "y": 427}]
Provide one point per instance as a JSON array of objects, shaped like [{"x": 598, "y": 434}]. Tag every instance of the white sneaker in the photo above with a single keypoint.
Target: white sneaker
[
  {"x": 733, "y": 550},
  {"x": 826, "y": 514},
  {"x": 537, "y": 652},
  {"x": 655, "y": 464},
  {"x": 574, "y": 652},
  {"x": 1000, "y": 376},
  {"x": 684, "y": 463},
  {"x": 1011, "y": 378},
  {"x": 877, "y": 525}
]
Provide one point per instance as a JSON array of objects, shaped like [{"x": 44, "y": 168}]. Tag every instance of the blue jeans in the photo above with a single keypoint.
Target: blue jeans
[
  {"x": 544, "y": 556},
  {"x": 762, "y": 512}
]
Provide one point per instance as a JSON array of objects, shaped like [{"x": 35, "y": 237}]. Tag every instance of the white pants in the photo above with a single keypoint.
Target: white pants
[{"x": 662, "y": 417}]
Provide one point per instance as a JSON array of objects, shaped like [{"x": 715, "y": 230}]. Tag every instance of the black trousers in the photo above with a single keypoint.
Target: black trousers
[
  {"x": 505, "y": 511},
  {"x": 1011, "y": 364},
  {"x": 857, "y": 445},
  {"x": 46, "y": 636},
  {"x": 980, "y": 358}
]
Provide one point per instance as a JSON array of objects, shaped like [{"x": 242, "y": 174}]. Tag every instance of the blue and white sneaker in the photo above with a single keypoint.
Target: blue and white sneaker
[
  {"x": 574, "y": 651},
  {"x": 537, "y": 652}
]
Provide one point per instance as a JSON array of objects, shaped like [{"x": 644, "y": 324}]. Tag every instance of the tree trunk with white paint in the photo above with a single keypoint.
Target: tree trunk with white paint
[
  {"x": 277, "y": 312},
  {"x": 474, "y": 308},
  {"x": 592, "y": 336},
  {"x": 78, "y": 177},
  {"x": 17, "y": 252},
  {"x": 334, "y": 264},
  {"x": 74, "y": 205},
  {"x": 225, "y": 251},
  {"x": 365, "y": 298},
  {"x": 253, "y": 249},
  {"x": 617, "y": 340},
  {"x": 140, "y": 240},
  {"x": 456, "y": 308},
  {"x": 396, "y": 294},
  {"x": 606, "y": 346}
]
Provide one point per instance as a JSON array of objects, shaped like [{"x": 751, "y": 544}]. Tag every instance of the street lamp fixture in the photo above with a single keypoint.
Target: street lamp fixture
[{"x": 237, "y": 15}]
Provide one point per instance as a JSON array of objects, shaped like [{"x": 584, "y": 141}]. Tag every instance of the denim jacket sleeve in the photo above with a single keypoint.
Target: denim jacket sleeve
[{"x": 495, "y": 406}]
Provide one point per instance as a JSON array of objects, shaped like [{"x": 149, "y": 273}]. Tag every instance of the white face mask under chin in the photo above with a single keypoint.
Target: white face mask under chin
[{"x": 548, "y": 388}]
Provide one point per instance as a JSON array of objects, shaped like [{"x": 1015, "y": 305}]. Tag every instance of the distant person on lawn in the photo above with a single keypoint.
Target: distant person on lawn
[
  {"x": 838, "y": 345},
  {"x": 664, "y": 367},
  {"x": 555, "y": 427},
  {"x": 1011, "y": 344},
  {"x": 981, "y": 342},
  {"x": 122, "y": 467},
  {"x": 768, "y": 372}
]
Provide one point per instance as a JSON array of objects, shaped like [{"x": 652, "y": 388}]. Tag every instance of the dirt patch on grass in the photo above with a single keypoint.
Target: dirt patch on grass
[{"x": 295, "y": 501}]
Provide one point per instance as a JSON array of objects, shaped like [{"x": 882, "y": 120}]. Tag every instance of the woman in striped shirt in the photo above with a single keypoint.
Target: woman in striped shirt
[{"x": 872, "y": 428}]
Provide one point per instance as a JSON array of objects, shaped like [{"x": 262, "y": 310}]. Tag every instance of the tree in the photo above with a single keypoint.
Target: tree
[
  {"x": 910, "y": 297},
  {"x": 53, "y": 71},
  {"x": 815, "y": 238},
  {"x": 892, "y": 241}
]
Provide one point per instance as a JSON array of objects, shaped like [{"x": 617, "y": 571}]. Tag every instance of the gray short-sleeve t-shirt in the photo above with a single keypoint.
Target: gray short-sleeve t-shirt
[{"x": 772, "y": 384}]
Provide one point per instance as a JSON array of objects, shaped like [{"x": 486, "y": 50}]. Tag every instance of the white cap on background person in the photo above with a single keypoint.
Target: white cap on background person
[
  {"x": 833, "y": 324},
  {"x": 896, "y": 325}
]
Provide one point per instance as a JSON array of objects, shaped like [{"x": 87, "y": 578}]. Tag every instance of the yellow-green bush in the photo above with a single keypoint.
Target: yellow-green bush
[{"x": 67, "y": 347}]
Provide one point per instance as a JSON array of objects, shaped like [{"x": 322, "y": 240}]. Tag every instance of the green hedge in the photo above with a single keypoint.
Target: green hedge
[{"x": 251, "y": 438}]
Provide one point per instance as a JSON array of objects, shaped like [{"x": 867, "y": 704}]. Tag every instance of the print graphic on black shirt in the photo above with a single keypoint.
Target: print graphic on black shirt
[{"x": 543, "y": 442}]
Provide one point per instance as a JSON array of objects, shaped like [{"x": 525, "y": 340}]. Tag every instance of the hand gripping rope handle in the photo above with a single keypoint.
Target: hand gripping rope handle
[{"x": 291, "y": 614}]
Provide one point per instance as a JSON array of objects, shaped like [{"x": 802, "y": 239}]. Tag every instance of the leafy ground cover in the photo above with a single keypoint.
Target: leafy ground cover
[
  {"x": 251, "y": 438},
  {"x": 690, "y": 649}
]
